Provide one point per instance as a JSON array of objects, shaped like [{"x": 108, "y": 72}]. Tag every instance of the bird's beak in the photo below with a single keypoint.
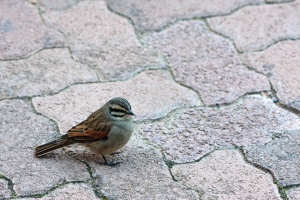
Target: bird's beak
[{"x": 131, "y": 113}]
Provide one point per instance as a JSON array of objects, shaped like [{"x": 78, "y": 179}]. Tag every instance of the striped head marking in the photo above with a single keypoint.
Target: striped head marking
[{"x": 119, "y": 107}]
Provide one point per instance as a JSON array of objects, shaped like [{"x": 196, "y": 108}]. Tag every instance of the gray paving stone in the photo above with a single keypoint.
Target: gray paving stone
[
  {"x": 281, "y": 156},
  {"x": 225, "y": 175},
  {"x": 189, "y": 134},
  {"x": 278, "y": 1},
  {"x": 22, "y": 32},
  {"x": 293, "y": 194},
  {"x": 155, "y": 14},
  {"x": 5, "y": 192},
  {"x": 46, "y": 72},
  {"x": 206, "y": 62},
  {"x": 103, "y": 40},
  {"x": 152, "y": 95},
  {"x": 56, "y": 4},
  {"x": 141, "y": 175},
  {"x": 79, "y": 191},
  {"x": 281, "y": 64},
  {"x": 256, "y": 27},
  {"x": 21, "y": 131}
]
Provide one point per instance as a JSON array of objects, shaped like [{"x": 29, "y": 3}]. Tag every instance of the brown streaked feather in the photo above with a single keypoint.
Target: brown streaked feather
[
  {"x": 90, "y": 134},
  {"x": 89, "y": 130},
  {"x": 97, "y": 131}
]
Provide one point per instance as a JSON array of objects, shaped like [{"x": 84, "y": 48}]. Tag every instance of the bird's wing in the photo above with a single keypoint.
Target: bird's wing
[{"x": 85, "y": 132}]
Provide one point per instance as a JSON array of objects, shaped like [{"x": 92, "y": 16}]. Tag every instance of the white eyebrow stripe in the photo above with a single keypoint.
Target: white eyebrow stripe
[{"x": 119, "y": 114}]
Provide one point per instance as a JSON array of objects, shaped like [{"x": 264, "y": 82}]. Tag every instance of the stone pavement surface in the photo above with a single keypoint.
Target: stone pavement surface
[{"x": 215, "y": 86}]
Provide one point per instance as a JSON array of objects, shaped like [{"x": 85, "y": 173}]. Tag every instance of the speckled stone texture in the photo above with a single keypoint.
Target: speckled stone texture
[
  {"x": 225, "y": 175},
  {"x": 278, "y": 1},
  {"x": 206, "y": 62},
  {"x": 189, "y": 134},
  {"x": 281, "y": 64},
  {"x": 152, "y": 95},
  {"x": 141, "y": 175},
  {"x": 214, "y": 86},
  {"x": 79, "y": 191},
  {"x": 102, "y": 40},
  {"x": 44, "y": 73},
  {"x": 156, "y": 14},
  {"x": 256, "y": 27},
  {"x": 22, "y": 32},
  {"x": 5, "y": 193},
  {"x": 56, "y": 4},
  {"x": 293, "y": 193},
  {"x": 281, "y": 156},
  {"x": 21, "y": 131}
]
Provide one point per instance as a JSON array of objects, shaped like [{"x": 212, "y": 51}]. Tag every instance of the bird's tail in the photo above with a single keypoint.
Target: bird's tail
[{"x": 45, "y": 148}]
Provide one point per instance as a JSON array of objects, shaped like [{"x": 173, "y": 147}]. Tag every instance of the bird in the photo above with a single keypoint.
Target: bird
[{"x": 104, "y": 132}]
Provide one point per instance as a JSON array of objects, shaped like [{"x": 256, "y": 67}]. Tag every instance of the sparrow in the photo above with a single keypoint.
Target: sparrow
[{"x": 103, "y": 132}]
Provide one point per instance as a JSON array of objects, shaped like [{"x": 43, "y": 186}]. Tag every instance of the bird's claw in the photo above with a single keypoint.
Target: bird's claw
[{"x": 111, "y": 164}]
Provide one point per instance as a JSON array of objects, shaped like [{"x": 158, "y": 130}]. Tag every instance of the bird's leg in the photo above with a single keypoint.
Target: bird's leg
[{"x": 108, "y": 163}]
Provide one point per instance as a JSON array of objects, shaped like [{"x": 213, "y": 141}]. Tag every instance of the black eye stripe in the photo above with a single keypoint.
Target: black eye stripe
[{"x": 116, "y": 110}]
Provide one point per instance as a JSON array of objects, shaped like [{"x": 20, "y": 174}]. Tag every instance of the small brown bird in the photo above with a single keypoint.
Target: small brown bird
[{"x": 104, "y": 131}]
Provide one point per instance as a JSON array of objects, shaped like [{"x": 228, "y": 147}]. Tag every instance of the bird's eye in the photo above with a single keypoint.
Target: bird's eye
[{"x": 117, "y": 112}]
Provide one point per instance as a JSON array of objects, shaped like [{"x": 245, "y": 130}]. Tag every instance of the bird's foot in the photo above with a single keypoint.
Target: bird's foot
[{"x": 111, "y": 164}]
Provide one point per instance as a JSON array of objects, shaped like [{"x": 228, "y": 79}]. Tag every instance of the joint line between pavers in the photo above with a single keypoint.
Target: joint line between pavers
[
  {"x": 40, "y": 195},
  {"x": 279, "y": 186},
  {"x": 10, "y": 186},
  {"x": 89, "y": 169}
]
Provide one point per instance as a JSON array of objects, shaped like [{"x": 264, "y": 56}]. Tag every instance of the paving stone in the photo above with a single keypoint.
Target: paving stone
[
  {"x": 103, "y": 40},
  {"x": 141, "y": 175},
  {"x": 278, "y": 1},
  {"x": 293, "y": 194},
  {"x": 5, "y": 193},
  {"x": 79, "y": 191},
  {"x": 152, "y": 95},
  {"x": 46, "y": 72},
  {"x": 189, "y": 134},
  {"x": 225, "y": 175},
  {"x": 21, "y": 131},
  {"x": 156, "y": 14},
  {"x": 256, "y": 27},
  {"x": 281, "y": 156},
  {"x": 206, "y": 62},
  {"x": 56, "y": 4},
  {"x": 22, "y": 32},
  {"x": 281, "y": 64}
]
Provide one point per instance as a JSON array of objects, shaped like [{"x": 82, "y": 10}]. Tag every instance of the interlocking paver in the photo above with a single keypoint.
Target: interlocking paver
[
  {"x": 5, "y": 193},
  {"x": 46, "y": 72},
  {"x": 278, "y": 1},
  {"x": 155, "y": 14},
  {"x": 281, "y": 156},
  {"x": 202, "y": 78},
  {"x": 256, "y": 27},
  {"x": 206, "y": 62},
  {"x": 79, "y": 191},
  {"x": 293, "y": 193},
  {"x": 56, "y": 4},
  {"x": 152, "y": 95},
  {"x": 189, "y": 134},
  {"x": 102, "y": 40},
  {"x": 21, "y": 131},
  {"x": 22, "y": 32},
  {"x": 281, "y": 64},
  {"x": 225, "y": 175},
  {"x": 141, "y": 175}
]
